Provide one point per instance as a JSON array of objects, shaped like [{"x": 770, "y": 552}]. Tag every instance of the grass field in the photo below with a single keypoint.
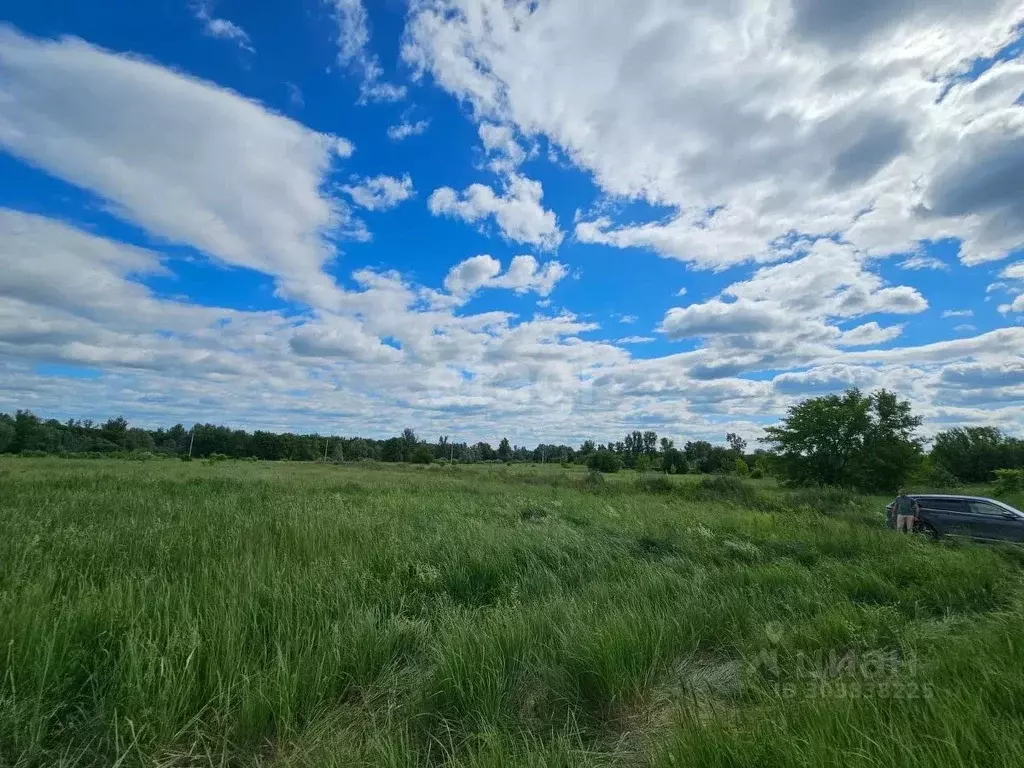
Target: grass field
[{"x": 170, "y": 614}]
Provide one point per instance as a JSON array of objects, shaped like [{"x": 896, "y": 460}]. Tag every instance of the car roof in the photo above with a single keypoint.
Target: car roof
[{"x": 949, "y": 496}]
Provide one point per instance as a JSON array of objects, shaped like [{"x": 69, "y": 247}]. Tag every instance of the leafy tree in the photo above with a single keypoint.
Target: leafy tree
[
  {"x": 408, "y": 443},
  {"x": 851, "y": 440},
  {"x": 421, "y": 454},
  {"x": 7, "y": 432},
  {"x": 604, "y": 461},
  {"x": 643, "y": 463},
  {"x": 393, "y": 450},
  {"x": 972, "y": 454},
  {"x": 673, "y": 461},
  {"x": 741, "y": 468},
  {"x": 115, "y": 430},
  {"x": 504, "y": 450},
  {"x": 736, "y": 443}
]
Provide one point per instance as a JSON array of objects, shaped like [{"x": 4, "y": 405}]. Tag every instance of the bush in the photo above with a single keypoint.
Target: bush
[
  {"x": 594, "y": 482},
  {"x": 604, "y": 461},
  {"x": 656, "y": 484},
  {"x": 1009, "y": 481},
  {"x": 741, "y": 468},
  {"x": 421, "y": 455},
  {"x": 643, "y": 463}
]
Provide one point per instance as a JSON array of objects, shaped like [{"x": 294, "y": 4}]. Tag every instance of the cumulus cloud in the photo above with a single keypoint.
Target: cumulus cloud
[
  {"x": 524, "y": 275},
  {"x": 353, "y": 51},
  {"x": 869, "y": 334},
  {"x": 500, "y": 144},
  {"x": 185, "y": 159},
  {"x": 517, "y": 211},
  {"x": 827, "y": 378},
  {"x": 380, "y": 192},
  {"x": 774, "y": 129},
  {"x": 405, "y": 129}
]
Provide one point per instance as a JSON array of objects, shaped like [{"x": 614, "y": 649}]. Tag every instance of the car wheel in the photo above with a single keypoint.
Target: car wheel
[{"x": 924, "y": 529}]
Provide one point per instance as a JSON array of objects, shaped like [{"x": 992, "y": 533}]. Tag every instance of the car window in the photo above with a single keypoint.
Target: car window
[
  {"x": 984, "y": 508},
  {"x": 943, "y": 505}
]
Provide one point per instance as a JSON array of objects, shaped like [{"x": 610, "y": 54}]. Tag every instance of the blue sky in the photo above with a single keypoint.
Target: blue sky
[{"x": 481, "y": 218}]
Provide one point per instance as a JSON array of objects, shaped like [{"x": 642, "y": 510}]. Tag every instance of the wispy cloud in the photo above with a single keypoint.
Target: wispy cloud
[{"x": 222, "y": 29}]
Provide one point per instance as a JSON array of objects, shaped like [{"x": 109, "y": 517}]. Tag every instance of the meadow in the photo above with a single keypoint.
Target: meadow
[{"x": 242, "y": 613}]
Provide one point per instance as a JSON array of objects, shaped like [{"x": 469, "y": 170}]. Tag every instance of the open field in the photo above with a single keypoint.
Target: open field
[{"x": 245, "y": 613}]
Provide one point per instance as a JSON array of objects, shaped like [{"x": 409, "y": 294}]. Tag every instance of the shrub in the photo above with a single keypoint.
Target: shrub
[
  {"x": 594, "y": 482},
  {"x": 643, "y": 463},
  {"x": 741, "y": 468},
  {"x": 604, "y": 461},
  {"x": 656, "y": 484},
  {"x": 421, "y": 455},
  {"x": 1009, "y": 481}
]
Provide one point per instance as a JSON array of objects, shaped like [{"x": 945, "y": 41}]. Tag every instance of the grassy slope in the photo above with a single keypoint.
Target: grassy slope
[{"x": 242, "y": 613}]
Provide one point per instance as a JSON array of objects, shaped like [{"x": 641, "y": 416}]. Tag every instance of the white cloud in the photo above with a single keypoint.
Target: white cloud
[
  {"x": 472, "y": 274},
  {"x": 920, "y": 261},
  {"x": 787, "y": 118},
  {"x": 518, "y": 211},
  {"x": 500, "y": 144},
  {"x": 524, "y": 275},
  {"x": 390, "y": 353},
  {"x": 957, "y": 313},
  {"x": 221, "y": 29},
  {"x": 185, "y": 159},
  {"x": 965, "y": 328},
  {"x": 353, "y": 51},
  {"x": 405, "y": 129},
  {"x": 869, "y": 334},
  {"x": 628, "y": 319},
  {"x": 380, "y": 192},
  {"x": 1013, "y": 272},
  {"x": 681, "y": 292},
  {"x": 635, "y": 340}
]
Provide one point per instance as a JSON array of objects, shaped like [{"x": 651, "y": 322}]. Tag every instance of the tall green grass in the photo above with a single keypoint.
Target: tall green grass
[{"x": 282, "y": 614}]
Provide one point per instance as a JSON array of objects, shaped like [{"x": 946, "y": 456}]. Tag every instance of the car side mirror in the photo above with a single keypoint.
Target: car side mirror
[{"x": 1010, "y": 516}]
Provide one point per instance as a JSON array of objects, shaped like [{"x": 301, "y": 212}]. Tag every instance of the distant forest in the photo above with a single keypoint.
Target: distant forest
[
  {"x": 24, "y": 432},
  {"x": 881, "y": 449}
]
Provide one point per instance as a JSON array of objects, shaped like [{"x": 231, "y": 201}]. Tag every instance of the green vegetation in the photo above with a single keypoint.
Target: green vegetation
[
  {"x": 851, "y": 440},
  {"x": 273, "y": 613}
]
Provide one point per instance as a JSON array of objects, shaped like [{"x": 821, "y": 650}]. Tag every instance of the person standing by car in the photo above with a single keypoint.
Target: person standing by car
[{"x": 906, "y": 510}]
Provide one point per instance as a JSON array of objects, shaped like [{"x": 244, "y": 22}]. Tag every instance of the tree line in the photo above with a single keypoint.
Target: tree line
[
  {"x": 865, "y": 441},
  {"x": 26, "y": 433}
]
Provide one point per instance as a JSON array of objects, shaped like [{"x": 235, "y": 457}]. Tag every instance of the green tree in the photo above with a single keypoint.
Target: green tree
[
  {"x": 7, "y": 432},
  {"x": 972, "y": 454},
  {"x": 850, "y": 440},
  {"x": 604, "y": 461},
  {"x": 421, "y": 454},
  {"x": 736, "y": 443},
  {"x": 504, "y": 450},
  {"x": 643, "y": 463}
]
